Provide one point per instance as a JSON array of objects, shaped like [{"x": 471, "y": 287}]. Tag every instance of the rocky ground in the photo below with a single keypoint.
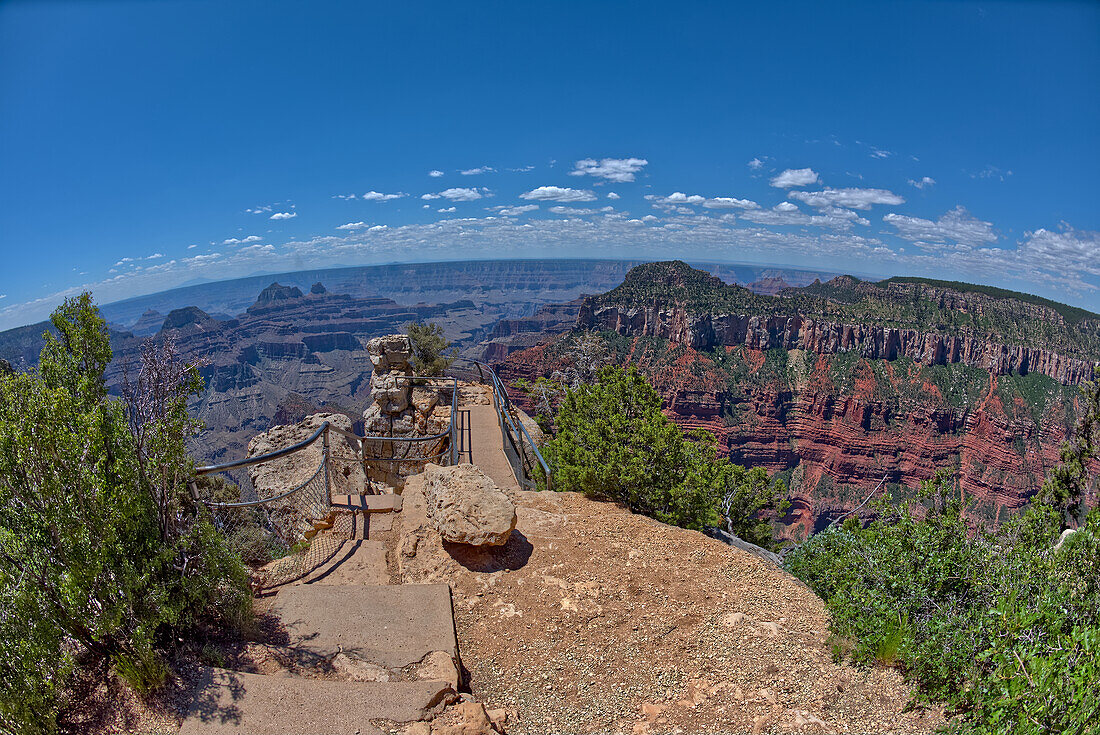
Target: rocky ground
[{"x": 592, "y": 619}]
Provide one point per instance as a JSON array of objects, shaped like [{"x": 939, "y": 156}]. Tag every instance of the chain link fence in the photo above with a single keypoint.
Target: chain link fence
[{"x": 283, "y": 536}]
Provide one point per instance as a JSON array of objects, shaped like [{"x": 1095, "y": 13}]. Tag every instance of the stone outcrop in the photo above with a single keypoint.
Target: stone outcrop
[
  {"x": 401, "y": 408},
  {"x": 280, "y": 475},
  {"x": 466, "y": 506},
  {"x": 189, "y": 317},
  {"x": 272, "y": 295},
  {"x": 705, "y": 331},
  {"x": 835, "y": 444}
]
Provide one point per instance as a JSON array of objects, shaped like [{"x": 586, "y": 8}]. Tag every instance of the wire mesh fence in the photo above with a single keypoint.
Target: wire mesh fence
[
  {"x": 282, "y": 537},
  {"x": 277, "y": 510}
]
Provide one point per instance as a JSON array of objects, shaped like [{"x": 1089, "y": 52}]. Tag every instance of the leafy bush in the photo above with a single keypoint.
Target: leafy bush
[
  {"x": 614, "y": 443},
  {"x": 100, "y": 551},
  {"x": 1002, "y": 626},
  {"x": 430, "y": 348}
]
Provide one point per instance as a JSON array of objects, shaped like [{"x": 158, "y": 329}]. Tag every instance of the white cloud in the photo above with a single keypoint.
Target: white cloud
[
  {"x": 794, "y": 177},
  {"x": 787, "y": 214},
  {"x": 878, "y": 153},
  {"x": 558, "y": 194},
  {"x": 262, "y": 210},
  {"x": 192, "y": 247},
  {"x": 580, "y": 211},
  {"x": 923, "y": 183},
  {"x": 458, "y": 194},
  {"x": 1062, "y": 260},
  {"x": 522, "y": 169},
  {"x": 344, "y": 196},
  {"x": 377, "y": 196},
  {"x": 284, "y": 215},
  {"x": 446, "y": 210},
  {"x": 755, "y": 164},
  {"x": 352, "y": 226},
  {"x": 506, "y": 211},
  {"x": 730, "y": 203},
  {"x": 612, "y": 169},
  {"x": 1068, "y": 251},
  {"x": 612, "y": 195},
  {"x": 3, "y": 295},
  {"x": 680, "y": 199},
  {"x": 849, "y": 198},
  {"x": 991, "y": 172},
  {"x": 242, "y": 241},
  {"x": 957, "y": 226},
  {"x": 429, "y": 196},
  {"x": 478, "y": 170},
  {"x": 435, "y": 173}
]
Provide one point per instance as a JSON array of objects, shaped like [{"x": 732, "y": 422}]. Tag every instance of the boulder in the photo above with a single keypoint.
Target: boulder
[
  {"x": 280, "y": 475},
  {"x": 466, "y": 506}
]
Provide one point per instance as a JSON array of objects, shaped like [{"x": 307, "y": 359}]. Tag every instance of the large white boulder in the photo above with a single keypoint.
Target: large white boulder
[{"x": 466, "y": 506}]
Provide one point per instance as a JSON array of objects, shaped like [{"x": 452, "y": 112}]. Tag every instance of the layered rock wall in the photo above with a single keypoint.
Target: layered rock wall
[{"x": 705, "y": 331}]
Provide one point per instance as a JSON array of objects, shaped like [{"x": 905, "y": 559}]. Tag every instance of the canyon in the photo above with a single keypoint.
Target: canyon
[{"x": 834, "y": 407}]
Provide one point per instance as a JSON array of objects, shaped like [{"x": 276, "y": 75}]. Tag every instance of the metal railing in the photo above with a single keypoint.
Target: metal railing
[
  {"x": 290, "y": 533},
  {"x": 528, "y": 465}
]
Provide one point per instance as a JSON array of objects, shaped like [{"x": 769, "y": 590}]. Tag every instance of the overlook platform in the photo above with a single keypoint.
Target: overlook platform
[{"x": 355, "y": 650}]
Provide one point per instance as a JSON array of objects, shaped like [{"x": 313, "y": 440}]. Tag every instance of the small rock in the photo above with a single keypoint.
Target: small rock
[
  {"x": 733, "y": 619},
  {"x": 358, "y": 670},
  {"x": 438, "y": 666},
  {"x": 465, "y": 718}
]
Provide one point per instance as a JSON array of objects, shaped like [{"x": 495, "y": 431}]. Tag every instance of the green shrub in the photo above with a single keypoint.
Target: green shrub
[
  {"x": 614, "y": 443},
  {"x": 431, "y": 355},
  {"x": 101, "y": 552},
  {"x": 1001, "y": 626}
]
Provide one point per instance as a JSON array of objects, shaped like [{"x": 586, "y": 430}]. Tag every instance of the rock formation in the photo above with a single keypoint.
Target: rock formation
[
  {"x": 466, "y": 506},
  {"x": 402, "y": 407},
  {"x": 280, "y": 475},
  {"x": 705, "y": 331},
  {"x": 272, "y": 295}
]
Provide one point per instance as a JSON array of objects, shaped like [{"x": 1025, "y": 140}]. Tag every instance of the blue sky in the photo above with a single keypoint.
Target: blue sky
[{"x": 144, "y": 145}]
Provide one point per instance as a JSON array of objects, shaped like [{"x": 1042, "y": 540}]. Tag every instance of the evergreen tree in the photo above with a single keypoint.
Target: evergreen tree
[
  {"x": 614, "y": 443},
  {"x": 89, "y": 561},
  {"x": 431, "y": 355}
]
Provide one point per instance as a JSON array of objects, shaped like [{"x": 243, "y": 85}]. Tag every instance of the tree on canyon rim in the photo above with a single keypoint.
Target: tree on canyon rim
[
  {"x": 614, "y": 443},
  {"x": 102, "y": 555},
  {"x": 431, "y": 350}
]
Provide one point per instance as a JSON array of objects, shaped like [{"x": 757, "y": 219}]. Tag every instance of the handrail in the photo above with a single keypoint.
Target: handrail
[
  {"x": 248, "y": 461},
  {"x": 278, "y": 453},
  {"x": 500, "y": 396},
  {"x": 263, "y": 501}
]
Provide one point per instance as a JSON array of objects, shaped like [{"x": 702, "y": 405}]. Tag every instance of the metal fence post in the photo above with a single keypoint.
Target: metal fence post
[{"x": 324, "y": 461}]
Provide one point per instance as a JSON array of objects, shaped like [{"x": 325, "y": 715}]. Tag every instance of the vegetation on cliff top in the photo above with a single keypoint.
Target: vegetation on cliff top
[
  {"x": 613, "y": 443},
  {"x": 926, "y": 305},
  {"x": 103, "y": 557},
  {"x": 1004, "y": 626}
]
